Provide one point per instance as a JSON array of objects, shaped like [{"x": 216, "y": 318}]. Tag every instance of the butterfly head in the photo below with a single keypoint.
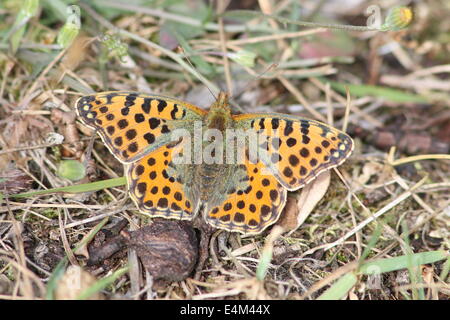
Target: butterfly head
[{"x": 219, "y": 115}]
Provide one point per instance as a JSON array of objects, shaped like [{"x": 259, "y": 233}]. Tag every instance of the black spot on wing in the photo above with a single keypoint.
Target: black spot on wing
[
  {"x": 146, "y": 105},
  {"x": 174, "y": 111},
  {"x": 288, "y": 128},
  {"x": 161, "y": 105}
]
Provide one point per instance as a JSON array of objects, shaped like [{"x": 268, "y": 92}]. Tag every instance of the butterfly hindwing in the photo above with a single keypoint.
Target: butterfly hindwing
[
  {"x": 157, "y": 190},
  {"x": 132, "y": 124},
  {"x": 297, "y": 149},
  {"x": 253, "y": 207}
]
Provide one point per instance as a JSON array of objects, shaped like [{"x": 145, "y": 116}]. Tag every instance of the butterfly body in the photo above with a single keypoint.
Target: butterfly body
[
  {"x": 181, "y": 159},
  {"x": 219, "y": 114}
]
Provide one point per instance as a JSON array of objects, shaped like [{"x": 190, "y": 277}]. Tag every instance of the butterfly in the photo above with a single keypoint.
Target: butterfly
[{"x": 243, "y": 196}]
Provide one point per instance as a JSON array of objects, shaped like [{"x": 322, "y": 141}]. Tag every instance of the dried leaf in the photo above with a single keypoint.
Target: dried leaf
[
  {"x": 288, "y": 219},
  {"x": 14, "y": 181},
  {"x": 311, "y": 195},
  {"x": 298, "y": 210}
]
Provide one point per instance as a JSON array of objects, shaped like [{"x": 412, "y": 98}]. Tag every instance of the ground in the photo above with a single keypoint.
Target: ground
[{"x": 376, "y": 227}]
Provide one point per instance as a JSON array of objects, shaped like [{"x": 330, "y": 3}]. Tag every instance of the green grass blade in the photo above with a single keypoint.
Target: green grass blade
[
  {"x": 415, "y": 274},
  {"x": 267, "y": 253},
  {"x": 57, "y": 273},
  {"x": 398, "y": 263},
  {"x": 346, "y": 282},
  {"x": 372, "y": 242},
  {"x": 263, "y": 265},
  {"x": 340, "y": 288},
  {"x": 79, "y": 188},
  {"x": 445, "y": 270},
  {"x": 102, "y": 283},
  {"x": 57, "y": 7},
  {"x": 362, "y": 90},
  {"x": 28, "y": 10}
]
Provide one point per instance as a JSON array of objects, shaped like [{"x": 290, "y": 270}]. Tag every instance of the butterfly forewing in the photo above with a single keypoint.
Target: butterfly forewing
[
  {"x": 297, "y": 149},
  {"x": 131, "y": 124}
]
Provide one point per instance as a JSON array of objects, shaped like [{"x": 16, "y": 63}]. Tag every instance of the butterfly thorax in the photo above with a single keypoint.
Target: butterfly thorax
[{"x": 219, "y": 115}]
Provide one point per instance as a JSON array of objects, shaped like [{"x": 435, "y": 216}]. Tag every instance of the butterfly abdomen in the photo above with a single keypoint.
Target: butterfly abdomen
[{"x": 209, "y": 178}]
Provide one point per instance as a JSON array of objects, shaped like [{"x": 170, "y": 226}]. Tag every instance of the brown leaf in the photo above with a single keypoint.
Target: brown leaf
[
  {"x": 311, "y": 195},
  {"x": 14, "y": 181},
  {"x": 288, "y": 220},
  {"x": 297, "y": 210}
]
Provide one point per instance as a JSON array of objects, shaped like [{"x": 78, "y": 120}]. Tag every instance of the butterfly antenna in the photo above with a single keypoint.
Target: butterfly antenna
[
  {"x": 192, "y": 66},
  {"x": 259, "y": 76}
]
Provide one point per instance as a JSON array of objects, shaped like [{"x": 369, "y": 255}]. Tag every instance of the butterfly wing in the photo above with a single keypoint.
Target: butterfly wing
[
  {"x": 252, "y": 207},
  {"x": 157, "y": 189},
  {"x": 132, "y": 124},
  {"x": 298, "y": 149},
  {"x": 137, "y": 129}
]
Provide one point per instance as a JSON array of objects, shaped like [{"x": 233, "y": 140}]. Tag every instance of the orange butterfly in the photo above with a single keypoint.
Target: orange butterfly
[{"x": 246, "y": 197}]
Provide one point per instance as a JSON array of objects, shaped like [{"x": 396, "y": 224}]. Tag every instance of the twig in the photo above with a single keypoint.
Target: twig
[
  {"x": 342, "y": 100},
  {"x": 42, "y": 75},
  {"x": 347, "y": 110},
  {"x": 297, "y": 94},
  {"x": 220, "y": 9},
  {"x": 377, "y": 214},
  {"x": 420, "y": 158}
]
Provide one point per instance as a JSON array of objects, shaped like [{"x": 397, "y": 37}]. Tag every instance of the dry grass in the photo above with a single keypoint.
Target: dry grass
[{"x": 382, "y": 203}]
